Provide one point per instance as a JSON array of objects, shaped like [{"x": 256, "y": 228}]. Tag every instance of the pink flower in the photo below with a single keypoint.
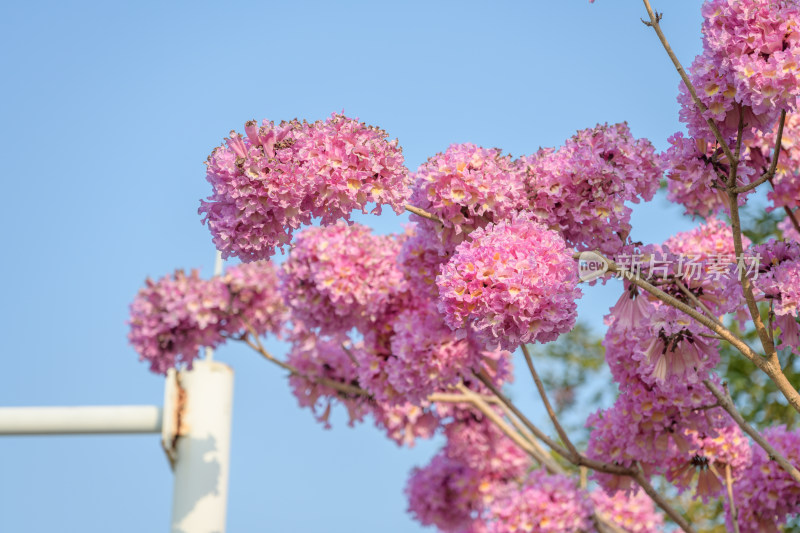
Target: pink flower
[
  {"x": 275, "y": 179},
  {"x": 691, "y": 166},
  {"x": 634, "y": 513},
  {"x": 581, "y": 189},
  {"x": 427, "y": 355},
  {"x": 765, "y": 494},
  {"x": 341, "y": 276},
  {"x": 258, "y": 190},
  {"x": 348, "y": 165},
  {"x": 543, "y": 503},
  {"x": 649, "y": 425},
  {"x": 786, "y": 183},
  {"x": 172, "y": 318},
  {"x": 710, "y": 453},
  {"x": 467, "y": 187},
  {"x": 513, "y": 281},
  {"x": 757, "y": 45},
  {"x": 446, "y": 494},
  {"x": 317, "y": 357},
  {"x": 474, "y": 440},
  {"x": 255, "y": 299},
  {"x": 421, "y": 258}
]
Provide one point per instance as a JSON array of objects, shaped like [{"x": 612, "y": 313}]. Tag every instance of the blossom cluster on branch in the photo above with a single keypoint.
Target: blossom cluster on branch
[{"x": 417, "y": 329}]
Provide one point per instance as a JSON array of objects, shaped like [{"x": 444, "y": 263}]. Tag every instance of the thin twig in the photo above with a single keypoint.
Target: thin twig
[
  {"x": 678, "y": 518},
  {"x": 548, "y": 407},
  {"x": 793, "y": 218},
  {"x": 654, "y": 23},
  {"x": 689, "y": 294},
  {"x": 771, "y": 367},
  {"x": 519, "y": 440},
  {"x": 731, "y": 502},
  {"x": 580, "y": 460},
  {"x": 541, "y": 456},
  {"x": 344, "y": 388},
  {"x": 726, "y": 403},
  {"x": 421, "y": 212}
]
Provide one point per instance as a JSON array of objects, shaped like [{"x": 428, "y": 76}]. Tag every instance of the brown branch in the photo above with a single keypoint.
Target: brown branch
[
  {"x": 726, "y": 403},
  {"x": 641, "y": 479},
  {"x": 771, "y": 367},
  {"x": 689, "y": 294},
  {"x": 542, "y": 436},
  {"x": 580, "y": 460},
  {"x": 793, "y": 218},
  {"x": 654, "y": 23},
  {"x": 538, "y": 454},
  {"x": 421, "y": 212},
  {"x": 731, "y": 502},
  {"x": 548, "y": 407},
  {"x": 747, "y": 286},
  {"x": 532, "y": 448},
  {"x": 344, "y": 388}
]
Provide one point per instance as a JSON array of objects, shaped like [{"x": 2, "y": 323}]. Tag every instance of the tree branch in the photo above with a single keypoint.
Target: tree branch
[
  {"x": 641, "y": 479},
  {"x": 771, "y": 367},
  {"x": 654, "y": 23},
  {"x": 549, "y": 408},
  {"x": 421, "y": 212},
  {"x": 726, "y": 403},
  {"x": 731, "y": 502}
]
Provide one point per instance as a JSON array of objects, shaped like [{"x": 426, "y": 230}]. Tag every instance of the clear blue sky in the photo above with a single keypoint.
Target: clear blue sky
[{"x": 107, "y": 112}]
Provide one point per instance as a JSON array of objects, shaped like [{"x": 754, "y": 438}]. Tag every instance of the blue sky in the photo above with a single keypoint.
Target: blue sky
[{"x": 107, "y": 111}]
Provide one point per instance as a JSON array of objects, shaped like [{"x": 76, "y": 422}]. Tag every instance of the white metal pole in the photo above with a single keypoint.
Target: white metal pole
[
  {"x": 217, "y": 272},
  {"x": 202, "y": 454},
  {"x": 80, "y": 420}
]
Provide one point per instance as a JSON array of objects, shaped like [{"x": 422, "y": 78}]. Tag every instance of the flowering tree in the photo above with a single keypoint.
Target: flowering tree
[{"x": 417, "y": 329}]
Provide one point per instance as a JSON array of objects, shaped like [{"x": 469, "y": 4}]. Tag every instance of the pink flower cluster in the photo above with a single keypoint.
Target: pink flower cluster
[
  {"x": 779, "y": 283},
  {"x": 713, "y": 237},
  {"x": 710, "y": 453},
  {"x": 427, "y": 355},
  {"x": 757, "y": 44},
  {"x": 765, "y": 494},
  {"x": 446, "y": 494},
  {"x": 274, "y": 179},
  {"x": 330, "y": 358},
  {"x": 647, "y": 425},
  {"x": 475, "y": 441},
  {"x": 635, "y": 513},
  {"x": 692, "y": 181},
  {"x": 255, "y": 300},
  {"x": 316, "y": 358},
  {"x": 513, "y": 281},
  {"x": 786, "y": 183},
  {"x": 582, "y": 187},
  {"x": 466, "y": 187},
  {"x": 172, "y": 318},
  {"x": 543, "y": 503},
  {"x": 749, "y": 66},
  {"x": 421, "y": 258},
  {"x": 341, "y": 276},
  {"x": 454, "y": 491}
]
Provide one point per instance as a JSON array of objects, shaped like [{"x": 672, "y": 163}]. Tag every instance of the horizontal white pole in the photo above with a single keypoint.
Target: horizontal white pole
[{"x": 80, "y": 420}]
